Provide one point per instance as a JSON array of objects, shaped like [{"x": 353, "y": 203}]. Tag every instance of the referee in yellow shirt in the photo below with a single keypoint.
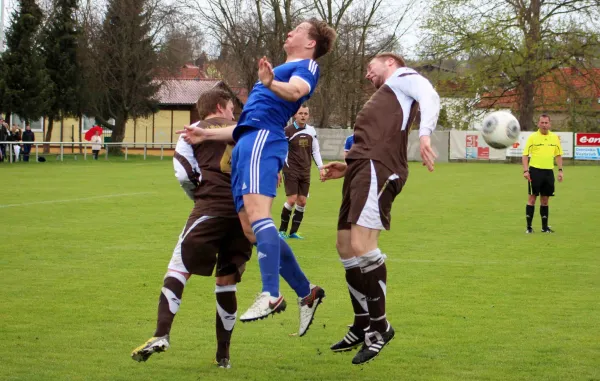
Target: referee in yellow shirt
[{"x": 543, "y": 146}]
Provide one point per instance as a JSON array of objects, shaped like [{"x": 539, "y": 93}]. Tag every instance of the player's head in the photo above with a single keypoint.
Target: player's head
[
  {"x": 301, "y": 117},
  {"x": 544, "y": 123},
  {"x": 312, "y": 38},
  {"x": 382, "y": 66},
  {"x": 215, "y": 103}
]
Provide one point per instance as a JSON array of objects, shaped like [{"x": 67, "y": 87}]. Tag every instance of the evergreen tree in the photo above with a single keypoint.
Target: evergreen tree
[
  {"x": 25, "y": 88},
  {"x": 59, "y": 45},
  {"x": 120, "y": 75}
]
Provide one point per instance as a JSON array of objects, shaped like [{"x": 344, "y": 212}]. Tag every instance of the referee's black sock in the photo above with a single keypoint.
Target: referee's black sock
[
  {"x": 529, "y": 211},
  {"x": 544, "y": 214}
]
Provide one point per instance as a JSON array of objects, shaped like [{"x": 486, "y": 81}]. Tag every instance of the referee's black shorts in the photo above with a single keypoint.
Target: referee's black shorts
[{"x": 542, "y": 182}]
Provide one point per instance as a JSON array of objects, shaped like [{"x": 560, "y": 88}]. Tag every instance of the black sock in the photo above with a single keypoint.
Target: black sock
[
  {"x": 297, "y": 219},
  {"x": 226, "y": 315},
  {"x": 168, "y": 302},
  {"x": 374, "y": 273},
  {"x": 529, "y": 211},
  {"x": 544, "y": 214},
  {"x": 286, "y": 212}
]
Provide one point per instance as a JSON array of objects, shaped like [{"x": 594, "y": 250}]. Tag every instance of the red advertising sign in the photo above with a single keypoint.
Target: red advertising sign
[
  {"x": 472, "y": 140},
  {"x": 587, "y": 139},
  {"x": 483, "y": 152}
]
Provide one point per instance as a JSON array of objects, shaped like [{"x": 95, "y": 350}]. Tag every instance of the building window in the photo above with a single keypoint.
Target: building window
[
  {"x": 88, "y": 122},
  {"x": 36, "y": 125}
]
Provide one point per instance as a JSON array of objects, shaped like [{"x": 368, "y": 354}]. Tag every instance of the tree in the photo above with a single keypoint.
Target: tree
[
  {"x": 510, "y": 44},
  {"x": 248, "y": 29},
  {"x": 59, "y": 45},
  {"x": 25, "y": 88},
  {"x": 119, "y": 65}
]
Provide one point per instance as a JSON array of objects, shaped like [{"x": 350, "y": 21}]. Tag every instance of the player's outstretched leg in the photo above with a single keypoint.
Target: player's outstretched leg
[
  {"x": 269, "y": 301},
  {"x": 380, "y": 332},
  {"x": 168, "y": 305},
  {"x": 309, "y": 296},
  {"x": 356, "y": 334},
  {"x": 226, "y": 316}
]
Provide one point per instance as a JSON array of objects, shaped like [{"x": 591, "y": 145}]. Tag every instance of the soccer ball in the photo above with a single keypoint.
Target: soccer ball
[{"x": 500, "y": 129}]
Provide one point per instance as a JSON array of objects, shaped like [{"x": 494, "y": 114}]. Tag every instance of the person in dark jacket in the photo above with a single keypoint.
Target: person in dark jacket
[
  {"x": 4, "y": 133},
  {"x": 15, "y": 136},
  {"x": 28, "y": 136}
]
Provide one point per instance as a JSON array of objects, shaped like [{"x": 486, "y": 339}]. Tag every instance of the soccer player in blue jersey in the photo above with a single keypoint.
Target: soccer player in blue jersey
[
  {"x": 258, "y": 157},
  {"x": 348, "y": 144}
]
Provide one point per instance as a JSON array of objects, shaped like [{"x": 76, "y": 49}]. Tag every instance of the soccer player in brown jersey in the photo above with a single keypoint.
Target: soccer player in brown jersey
[
  {"x": 375, "y": 171},
  {"x": 213, "y": 235},
  {"x": 303, "y": 145}
]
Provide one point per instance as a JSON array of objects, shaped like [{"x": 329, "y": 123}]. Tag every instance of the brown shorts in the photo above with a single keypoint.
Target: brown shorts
[
  {"x": 211, "y": 243},
  {"x": 295, "y": 184},
  {"x": 367, "y": 195}
]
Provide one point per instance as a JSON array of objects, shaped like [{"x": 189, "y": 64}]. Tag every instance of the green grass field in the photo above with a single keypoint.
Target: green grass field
[{"x": 84, "y": 247}]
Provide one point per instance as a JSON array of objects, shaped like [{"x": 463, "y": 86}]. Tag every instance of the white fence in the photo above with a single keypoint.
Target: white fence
[
  {"x": 449, "y": 145},
  {"x": 84, "y": 149}
]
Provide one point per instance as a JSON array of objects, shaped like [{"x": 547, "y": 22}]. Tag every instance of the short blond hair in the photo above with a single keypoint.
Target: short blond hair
[{"x": 389, "y": 55}]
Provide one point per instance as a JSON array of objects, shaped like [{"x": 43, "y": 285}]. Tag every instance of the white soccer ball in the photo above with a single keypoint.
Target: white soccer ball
[{"x": 500, "y": 129}]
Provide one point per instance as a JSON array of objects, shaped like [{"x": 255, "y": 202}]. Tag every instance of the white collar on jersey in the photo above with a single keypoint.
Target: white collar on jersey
[{"x": 403, "y": 70}]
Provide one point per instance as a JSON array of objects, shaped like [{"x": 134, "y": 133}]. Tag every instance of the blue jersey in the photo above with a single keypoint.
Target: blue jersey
[
  {"x": 265, "y": 110},
  {"x": 349, "y": 142}
]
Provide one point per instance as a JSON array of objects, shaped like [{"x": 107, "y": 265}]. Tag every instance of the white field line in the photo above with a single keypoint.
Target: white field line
[{"x": 75, "y": 199}]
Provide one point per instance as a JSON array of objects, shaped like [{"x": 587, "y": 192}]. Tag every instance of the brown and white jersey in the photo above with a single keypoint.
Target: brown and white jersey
[
  {"x": 204, "y": 172},
  {"x": 303, "y": 146},
  {"x": 383, "y": 124}
]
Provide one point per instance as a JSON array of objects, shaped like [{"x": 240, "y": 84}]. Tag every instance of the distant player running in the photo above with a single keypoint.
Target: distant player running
[
  {"x": 212, "y": 227},
  {"x": 376, "y": 171},
  {"x": 259, "y": 156},
  {"x": 303, "y": 145}
]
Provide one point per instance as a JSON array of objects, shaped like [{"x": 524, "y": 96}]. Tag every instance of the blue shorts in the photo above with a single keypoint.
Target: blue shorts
[{"x": 256, "y": 160}]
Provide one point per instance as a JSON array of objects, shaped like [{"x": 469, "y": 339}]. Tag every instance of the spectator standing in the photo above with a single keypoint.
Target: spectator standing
[
  {"x": 15, "y": 136},
  {"x": 4, "y": 134},
  {"x": 96, "y": 144},
  {"x": 28, "y": 136}
]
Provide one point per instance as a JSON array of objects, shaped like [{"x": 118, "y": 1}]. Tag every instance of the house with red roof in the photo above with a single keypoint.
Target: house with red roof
[{"x": 568, "y": 95}]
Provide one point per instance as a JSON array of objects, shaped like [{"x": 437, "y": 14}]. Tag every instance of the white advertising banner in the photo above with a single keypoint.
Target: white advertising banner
[
  {"x": 566, "y": 142},
  {"x": 470, "y": 145},
  {"x": 517, "y": 149}
]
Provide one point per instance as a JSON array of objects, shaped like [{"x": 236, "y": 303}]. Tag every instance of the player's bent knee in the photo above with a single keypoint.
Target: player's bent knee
[
  {"x": 343, "y": 245},
  {"x": 301, "y": 201}
]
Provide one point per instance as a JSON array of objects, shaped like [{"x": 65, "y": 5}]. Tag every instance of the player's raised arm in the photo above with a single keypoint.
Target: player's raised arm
[
  {"x": 195, "y": 135},
  {"x": 290, "y": 91}
]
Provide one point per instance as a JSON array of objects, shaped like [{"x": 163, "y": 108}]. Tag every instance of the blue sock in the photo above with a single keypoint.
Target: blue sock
[
  {"x": 292, "y": 273},
  {"x": 267, "y": 245}
]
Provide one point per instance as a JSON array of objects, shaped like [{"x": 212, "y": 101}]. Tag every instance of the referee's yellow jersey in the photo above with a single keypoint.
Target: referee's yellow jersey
[{"x": 542, "y": 149}]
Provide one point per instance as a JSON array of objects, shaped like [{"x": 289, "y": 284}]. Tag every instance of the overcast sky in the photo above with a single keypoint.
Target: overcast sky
[{"x": 408, "y": 41}]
